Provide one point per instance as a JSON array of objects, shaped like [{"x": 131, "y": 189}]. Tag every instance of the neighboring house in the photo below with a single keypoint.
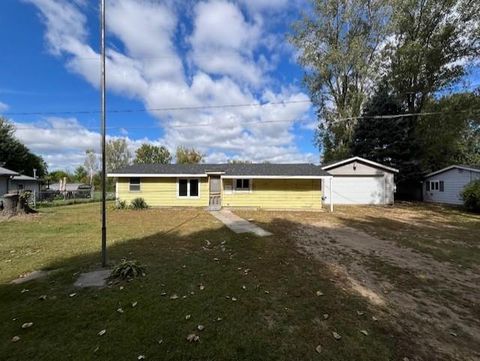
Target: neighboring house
[
  {"x": 268, "y": 186},
  {"x": 5, "y": 175},
  {"x": 445, "y": 185},
  {"x": 69, "y": 187},
  {"x": 25, "y": 183},
  {"x": 361, "y": 181}
]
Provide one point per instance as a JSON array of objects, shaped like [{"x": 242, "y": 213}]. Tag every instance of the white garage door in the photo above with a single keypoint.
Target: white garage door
[{"x": 357, "y": 190}]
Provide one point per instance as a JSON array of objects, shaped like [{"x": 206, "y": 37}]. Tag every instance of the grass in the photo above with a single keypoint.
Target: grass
[{"x": 276, "y": 317}]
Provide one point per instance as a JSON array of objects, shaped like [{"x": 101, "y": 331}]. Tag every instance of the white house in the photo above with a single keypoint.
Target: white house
[
  {"x": 358, "y": 180},
  {"x": 445, "y": 185}
]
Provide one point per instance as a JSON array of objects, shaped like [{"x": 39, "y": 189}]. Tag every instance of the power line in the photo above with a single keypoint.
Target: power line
[
  {"x": 165, "y": 109},
  {"x": 256, "y": 122}
]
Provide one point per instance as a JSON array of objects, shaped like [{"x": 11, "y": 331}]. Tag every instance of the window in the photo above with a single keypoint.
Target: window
[
  {"x": 242, "y": 184},
  {"x": 435, "y": 185},
  {"x": 134, "y": 184},
  {"x": 188, "y": 187}
]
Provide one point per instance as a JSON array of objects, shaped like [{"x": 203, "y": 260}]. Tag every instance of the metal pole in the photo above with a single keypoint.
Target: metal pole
[
  {"x": 103, "y": 121},
  {"x": 330, "y": 195}
]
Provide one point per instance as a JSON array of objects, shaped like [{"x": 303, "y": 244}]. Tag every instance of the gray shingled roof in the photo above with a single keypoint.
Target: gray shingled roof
[
  {"x": 247, "y": 169},
  {"x": 5, "y": 171}
]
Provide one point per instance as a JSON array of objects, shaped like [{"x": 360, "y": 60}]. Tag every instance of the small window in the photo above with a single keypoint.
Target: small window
[
  {"x": 134, "y": 184},
  {"x": 193, "y": 187},
  {"x": 183, "y": 187},
  {"x": 435, "y": 186},
  {"x": 188, "y": 188},
  {"x": 242, "y": 184}
]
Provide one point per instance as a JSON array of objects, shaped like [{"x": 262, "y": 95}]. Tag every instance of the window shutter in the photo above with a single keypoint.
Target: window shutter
[
  {"x": 427, "y": 184},
  {"x": 441, "y": 186}
]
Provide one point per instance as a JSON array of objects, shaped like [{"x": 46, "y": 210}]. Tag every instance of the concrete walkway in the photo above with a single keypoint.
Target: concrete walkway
[{"x": 237, "y": 224}]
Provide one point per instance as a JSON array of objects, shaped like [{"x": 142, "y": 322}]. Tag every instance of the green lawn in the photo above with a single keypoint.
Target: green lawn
[{"x": 276, "y": 316}]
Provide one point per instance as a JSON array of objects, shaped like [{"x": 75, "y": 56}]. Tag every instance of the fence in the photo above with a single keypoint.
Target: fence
[{"x": 51, "y": 198}]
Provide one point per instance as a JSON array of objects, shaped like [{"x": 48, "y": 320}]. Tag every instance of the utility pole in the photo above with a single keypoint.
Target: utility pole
[{"x": 103, "y": 123}]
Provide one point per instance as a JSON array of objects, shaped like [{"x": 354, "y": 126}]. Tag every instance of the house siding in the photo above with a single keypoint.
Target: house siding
[
  {"x": 3, "y": 185},
  {"x": 356, "y": 168},
  {"x": 28, "y": 185},
  {"x": 275, "y": 194},
  {"x": 162, "y": 192},
  {"x": 455, "y": 180}
]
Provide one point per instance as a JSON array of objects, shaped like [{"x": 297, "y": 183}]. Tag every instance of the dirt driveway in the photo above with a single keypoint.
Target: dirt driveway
[{"x": 432, "y": 300}]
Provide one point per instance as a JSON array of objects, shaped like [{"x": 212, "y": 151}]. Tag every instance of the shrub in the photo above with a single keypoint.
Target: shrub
[
  {"x": 138, "y": 203},
  {"x": 121, "y": 205},
  {"x": 128, "y": 270},
  {"x": 471, "y": 196}
]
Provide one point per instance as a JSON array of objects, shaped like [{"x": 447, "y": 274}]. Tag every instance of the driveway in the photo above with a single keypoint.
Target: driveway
[{"x": 432, "y": 301}]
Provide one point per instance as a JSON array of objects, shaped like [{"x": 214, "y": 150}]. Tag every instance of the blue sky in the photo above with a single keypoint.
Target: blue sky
[{"x": 161, "y": 54}]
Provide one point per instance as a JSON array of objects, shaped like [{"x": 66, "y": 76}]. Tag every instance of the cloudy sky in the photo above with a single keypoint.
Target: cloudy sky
[{"x": 187, "y": 56}]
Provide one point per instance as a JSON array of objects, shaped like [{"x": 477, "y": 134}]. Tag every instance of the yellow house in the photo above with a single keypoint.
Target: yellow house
[{"x": 213, "y": 186}]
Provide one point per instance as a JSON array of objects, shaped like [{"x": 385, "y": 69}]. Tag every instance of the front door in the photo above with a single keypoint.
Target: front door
[{"x": 215, "y": 201}]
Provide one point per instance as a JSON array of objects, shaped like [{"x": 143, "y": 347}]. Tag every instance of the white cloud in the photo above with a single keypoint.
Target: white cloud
[
  {"x": 222, "y": 64},
  {"x": 3, "y": 107}
]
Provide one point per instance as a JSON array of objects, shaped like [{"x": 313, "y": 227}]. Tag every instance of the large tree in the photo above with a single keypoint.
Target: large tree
[
  {"x": 117, "y": 154},
  {"x": 431, "y": 46},
  {"x": 80, "y": 174},
  {"x": 148, "y": 154},
  {"x": 339, "y": 47},
  {"x": 15, "y": 155},
  {"x": 451, "y": 135},
  {"x": 185, "y": 155}
]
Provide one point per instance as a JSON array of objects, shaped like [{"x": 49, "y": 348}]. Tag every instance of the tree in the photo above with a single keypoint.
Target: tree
[
  {"x": 80, "y": 174},
  {"x": 239, "y": 161},
  {"x": 58, "y": 175},
  {"x": 339, "y": 48},
  {"x": 148, "y": 153},
  {"x": 453, "y": 136},
  {"x": 432, "y": 42},
  {"x": 117, "y": 154},
  {"x": 15, "y": 155},
  {"x": 91, "y": 164},
  {"x": 385, "y": 139},
  {"x": 185, "y": 155}
]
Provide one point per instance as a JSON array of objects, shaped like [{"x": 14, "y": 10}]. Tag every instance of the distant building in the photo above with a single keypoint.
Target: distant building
[
  {"x": 25, "y": 183},
  {"x": 446, "y": 185},
  {"x": 5, "y": 176}
]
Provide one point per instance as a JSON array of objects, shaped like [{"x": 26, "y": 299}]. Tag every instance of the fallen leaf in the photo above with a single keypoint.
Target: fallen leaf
[
  {"x": 200, "y": 327},
  {"x": 244, "y": 287},
  {"x": 102, "y": 332},
  {"x": 336, "y": 336},
  {"x": 453, "y": 334},
  {"x": 326, "y": 316},
  {"x": 193, "y": 338},
  {"x": 141, "y": 357},
  {"x": 234, "y": 299},
  {"x": 202, "y": 287},
  {"x": 42, "y": 297},
  {"x": 173, "y": 297},
  {"x": 219, "y": 318},
  {"x": 134, "y": 304},
  {"x": 187, "y": 317},
  {"x": 120, "y": 310},
  {"x": 163, "y": 294},
  {"x": 374, "y": 318},
  {"x": 360, "y": 313},
  {"x": 365, "y": 332},
  {"x": 319, "y": 293},
  {"x": 72, "y": 294},
  {"x": 15, "y": 338},
  {"x": 25, "y": 290},
  {"x": 27, "y": 325},
  {"x": 160, "y": 341},
  {"x": 318, "y": 349}
]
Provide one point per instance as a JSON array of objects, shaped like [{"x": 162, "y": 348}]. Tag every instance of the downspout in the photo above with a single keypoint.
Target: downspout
[{"x": 331, "y": 200}]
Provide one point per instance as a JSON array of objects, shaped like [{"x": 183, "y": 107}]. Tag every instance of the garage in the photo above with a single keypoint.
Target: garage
[{"x": 360, "y": 181}]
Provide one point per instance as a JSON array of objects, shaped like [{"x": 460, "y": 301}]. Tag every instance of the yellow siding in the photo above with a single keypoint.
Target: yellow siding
[
  {"x": 162, "y": 192},
  {"x": 276, "y": 193}
]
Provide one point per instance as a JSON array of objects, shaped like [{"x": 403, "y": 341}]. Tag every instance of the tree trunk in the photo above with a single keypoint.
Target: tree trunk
[{"x": 14, "y": 204}]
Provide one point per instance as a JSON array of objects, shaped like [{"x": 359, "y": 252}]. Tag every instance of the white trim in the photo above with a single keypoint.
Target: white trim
[
  {"x": 276, "y": 177},
  {"x": 188, "y": 196},
  {"x": 334, "y": 165},
  {"x": 140, "y": 175},
  {"x": 154, "y": 175},
  {"x": 452, "y": 167}
]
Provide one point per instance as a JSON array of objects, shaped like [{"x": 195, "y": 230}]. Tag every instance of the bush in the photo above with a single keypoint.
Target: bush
[
  {"x": 121, "y": 205},
  {"x": 127, "y": 270},
  {"x": 471, "y": 196},
  {"x": 138, "y": 203}
]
